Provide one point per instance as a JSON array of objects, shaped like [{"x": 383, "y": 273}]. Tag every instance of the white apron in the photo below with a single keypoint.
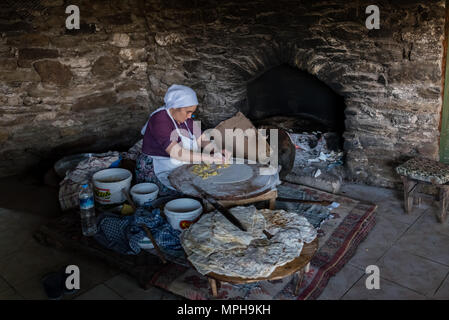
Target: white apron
[{"x": 164, "y": 165}]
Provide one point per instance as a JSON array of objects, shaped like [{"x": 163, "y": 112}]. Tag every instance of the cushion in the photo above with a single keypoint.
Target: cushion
[{"x": 425, "y": 170}]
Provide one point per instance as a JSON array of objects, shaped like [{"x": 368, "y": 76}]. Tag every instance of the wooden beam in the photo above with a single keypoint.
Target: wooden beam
[{"x": 444, "y": 114}]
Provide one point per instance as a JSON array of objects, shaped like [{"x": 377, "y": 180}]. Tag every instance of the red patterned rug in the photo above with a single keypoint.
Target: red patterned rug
[{"x": 339, "y": 237}]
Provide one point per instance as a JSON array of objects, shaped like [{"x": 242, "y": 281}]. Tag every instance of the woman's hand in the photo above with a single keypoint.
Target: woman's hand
[
  {"x": 216, "y": 158},
  {"x": 223, "y": 157}
]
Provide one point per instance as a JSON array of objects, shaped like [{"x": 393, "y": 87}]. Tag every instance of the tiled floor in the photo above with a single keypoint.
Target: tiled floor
[{"x": 411, "y": 252}]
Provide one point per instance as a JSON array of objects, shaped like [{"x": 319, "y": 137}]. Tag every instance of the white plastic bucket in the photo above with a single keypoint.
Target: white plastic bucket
[
  {"x": 144, "y": 192},
  {"x": 181, "y": 213},
  {"x": 108, "y": 185}
]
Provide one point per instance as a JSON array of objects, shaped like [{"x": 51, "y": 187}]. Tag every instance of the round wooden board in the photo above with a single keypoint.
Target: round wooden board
[
  {"x": 292, "y": 267},
  {"x": 182, "y": 179}
]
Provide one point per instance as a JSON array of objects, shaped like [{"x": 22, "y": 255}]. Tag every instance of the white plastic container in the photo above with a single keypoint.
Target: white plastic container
[
  {"x": 108, "y": 185},
  {"x": 144, "y": 192},
  {"x": 181, "y": 213}
]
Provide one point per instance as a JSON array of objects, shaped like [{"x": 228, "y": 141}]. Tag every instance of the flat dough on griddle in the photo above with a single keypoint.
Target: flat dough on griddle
[
  {"x": 218, "y": 175},
  {"x": 232, "y": 174}
]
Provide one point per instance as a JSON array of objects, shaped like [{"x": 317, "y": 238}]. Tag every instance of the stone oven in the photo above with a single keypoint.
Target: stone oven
[
  {"x": 66, "y": 91},
  {"x": 310, "y": 118}
]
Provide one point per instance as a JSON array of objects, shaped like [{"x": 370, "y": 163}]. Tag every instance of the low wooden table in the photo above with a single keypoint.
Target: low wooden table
[
  {"x": 297, "y": 266},
  {"x": 269, "y": 196}
]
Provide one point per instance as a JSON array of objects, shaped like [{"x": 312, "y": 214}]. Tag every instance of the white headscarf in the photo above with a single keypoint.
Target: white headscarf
[{"x": 177, "y": 96}]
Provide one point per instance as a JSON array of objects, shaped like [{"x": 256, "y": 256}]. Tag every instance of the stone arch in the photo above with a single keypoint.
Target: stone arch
[{"x": 259, "y": 61}]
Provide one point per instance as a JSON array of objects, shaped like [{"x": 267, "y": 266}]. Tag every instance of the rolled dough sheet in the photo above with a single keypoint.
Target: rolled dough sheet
[{"x": 232, "y": 174}]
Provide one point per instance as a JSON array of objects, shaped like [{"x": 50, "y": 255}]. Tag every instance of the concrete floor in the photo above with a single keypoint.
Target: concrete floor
[{"x": 411, "y": 251}]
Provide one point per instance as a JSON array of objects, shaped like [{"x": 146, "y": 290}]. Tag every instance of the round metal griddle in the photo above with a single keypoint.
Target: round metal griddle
[{"x": 182, "y": 179}]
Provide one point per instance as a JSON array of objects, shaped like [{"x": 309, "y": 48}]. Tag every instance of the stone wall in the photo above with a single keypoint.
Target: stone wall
[{"x": 65, "y": 91}]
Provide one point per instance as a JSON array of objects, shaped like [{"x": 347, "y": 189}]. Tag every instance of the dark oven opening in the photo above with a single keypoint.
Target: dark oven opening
[{"x": 311, "y": 121}]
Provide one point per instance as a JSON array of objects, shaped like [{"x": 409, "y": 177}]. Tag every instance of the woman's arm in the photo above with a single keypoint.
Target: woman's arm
[{"x": 176, "y": 151}]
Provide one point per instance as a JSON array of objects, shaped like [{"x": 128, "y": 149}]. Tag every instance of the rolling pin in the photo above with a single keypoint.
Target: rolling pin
[{"x": 225, "y": 212}]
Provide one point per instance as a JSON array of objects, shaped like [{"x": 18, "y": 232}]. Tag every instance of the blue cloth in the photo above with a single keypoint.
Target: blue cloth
[
  {"x": 116, "y": 163},
  {"x": 123, "y": 233}
]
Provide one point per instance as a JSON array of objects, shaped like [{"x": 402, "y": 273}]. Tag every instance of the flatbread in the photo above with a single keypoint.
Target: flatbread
[{"x": 213, "y": 244}]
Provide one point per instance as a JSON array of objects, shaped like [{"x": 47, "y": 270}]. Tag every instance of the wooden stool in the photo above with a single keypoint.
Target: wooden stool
[
  {"x": 419, "y": 171},
  {"x": 410, "y": 188},
  {"x": 298, "y": 266}
]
